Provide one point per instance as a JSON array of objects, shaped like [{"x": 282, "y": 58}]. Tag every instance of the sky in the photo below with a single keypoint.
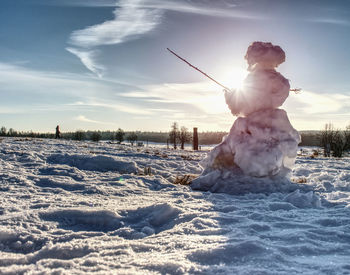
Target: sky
[{"x": 103, "y": 64}]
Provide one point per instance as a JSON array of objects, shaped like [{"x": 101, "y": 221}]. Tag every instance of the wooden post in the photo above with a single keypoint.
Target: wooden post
[{"x": 195, "y": 138}]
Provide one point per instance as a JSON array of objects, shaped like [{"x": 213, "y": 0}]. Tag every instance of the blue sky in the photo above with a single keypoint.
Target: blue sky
[{"x": 104, "y": 65}]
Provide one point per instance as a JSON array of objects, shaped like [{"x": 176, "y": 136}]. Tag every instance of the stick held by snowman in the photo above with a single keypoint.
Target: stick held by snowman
[{"x": 296, "y": 90}]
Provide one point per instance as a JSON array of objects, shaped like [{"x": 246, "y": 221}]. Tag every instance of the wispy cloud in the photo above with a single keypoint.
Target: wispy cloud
[
  {"x": 4, "y": 110},
  {"x": 88, "y": 59},
  {"x": 208, "y": 102},
  {"x": 22, "y": 82},
  {"x": 213, "y": 9},
  {"x": 333, "y": 21},
  {"x": 83, "y": 118},
  {"x": 204, "y": 96},
  {"x": 131, "y": 20},
  {"x": 80, "y": 3},
  {"x": 315, "y": 103},
  {"x": 120, "y": 107},
  {"x": 25, "y": 80}
]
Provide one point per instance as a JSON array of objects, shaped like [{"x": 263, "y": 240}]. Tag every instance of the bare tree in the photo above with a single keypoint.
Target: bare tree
[
  {"x": 174, "y": 134},
  {"x": 132, "y": 137},
  {"x": 335, "y": 141},
  {"x": 338, "y": 144},
  {"x": 327, "y": 139},
  {"x": 184, "y": 137}
]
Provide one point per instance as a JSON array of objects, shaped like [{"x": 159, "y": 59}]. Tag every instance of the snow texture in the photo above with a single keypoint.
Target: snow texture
[
  {"x": 63, "y": 214},
  {"x": 262, "y": 144}
]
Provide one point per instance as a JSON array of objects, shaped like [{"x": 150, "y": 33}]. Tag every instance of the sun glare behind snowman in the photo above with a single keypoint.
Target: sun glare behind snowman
[
  {"x": 233, "y": 77},
  {"x": 212, "y": 103}
]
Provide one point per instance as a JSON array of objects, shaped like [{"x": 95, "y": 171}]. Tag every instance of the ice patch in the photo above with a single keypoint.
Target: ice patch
[{"x": 94, "y": 163}]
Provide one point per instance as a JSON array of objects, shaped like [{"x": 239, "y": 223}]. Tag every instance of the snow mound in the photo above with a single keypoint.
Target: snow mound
[
  {"x": 18, "y": 242},
  {"x": 230, "y": 253},
  {"x": 83, "y": 220},
  {"x": 234, "y": 182},
  {"x": 63, "y": 170},
  {"x": 303, "y": 200},
  {"x": 130, "y": 224},
  {"x": 61, "y": 251},
  {"x": 148, "y": 220},
  {"x": 94, "y": 163},
  {"x": 62, "y": 182}
]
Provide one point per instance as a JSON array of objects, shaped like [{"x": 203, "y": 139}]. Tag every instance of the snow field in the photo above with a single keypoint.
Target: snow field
[{"x": 79, "y": 207}]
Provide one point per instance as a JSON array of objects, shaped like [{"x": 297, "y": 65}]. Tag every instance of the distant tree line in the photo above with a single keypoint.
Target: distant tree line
[
  {"x": 14, "y": 133},
  {"x": 184, "y": 136},
  {"x": 338, "y": 140}
]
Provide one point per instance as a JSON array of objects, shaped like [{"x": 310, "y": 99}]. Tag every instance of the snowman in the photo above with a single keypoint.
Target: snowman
[{"x": 262, "y": 144}]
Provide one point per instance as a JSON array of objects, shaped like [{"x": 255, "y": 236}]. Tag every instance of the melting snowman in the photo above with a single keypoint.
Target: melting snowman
[{"x": 260, "y": 150}]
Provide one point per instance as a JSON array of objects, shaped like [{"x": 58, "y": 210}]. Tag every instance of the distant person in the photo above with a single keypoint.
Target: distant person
[{"x": 58, "y": 133}]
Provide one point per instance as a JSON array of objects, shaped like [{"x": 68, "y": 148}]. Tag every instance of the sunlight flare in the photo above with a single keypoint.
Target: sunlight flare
[{"x": 233, "y": 77}]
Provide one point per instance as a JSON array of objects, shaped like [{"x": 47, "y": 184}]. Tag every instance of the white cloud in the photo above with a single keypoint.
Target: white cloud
[
  {"x": 131, "y": 20},
  {"x": 204, "y": 96},
  {"x": 228, "y": 11},
  {"x": 88, "y": 60},
  {"x": 307, "y": 110},
  {"x": 120, "y": 107},
  {"x": 82, "y": 3},
  {"x": 315, "y": 103},
  {"x": 11, "y": 110},
  {"x": 83, "y": 118},
  {"x": 334, "y": 21},
  {"x": 34, "y": 82}
]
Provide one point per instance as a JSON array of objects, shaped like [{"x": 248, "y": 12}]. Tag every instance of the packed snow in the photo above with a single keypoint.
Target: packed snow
[{"x": 70, "y": 207}]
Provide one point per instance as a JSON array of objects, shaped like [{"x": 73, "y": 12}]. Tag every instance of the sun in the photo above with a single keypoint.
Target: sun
[
  {"x": 233, "y": 77},
  {"x": 214, "y": 103},
  {"x": 212, "y": 100}
]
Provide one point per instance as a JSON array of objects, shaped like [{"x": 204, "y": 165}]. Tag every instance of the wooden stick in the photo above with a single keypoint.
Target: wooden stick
[{"x": 297, "y": 90}]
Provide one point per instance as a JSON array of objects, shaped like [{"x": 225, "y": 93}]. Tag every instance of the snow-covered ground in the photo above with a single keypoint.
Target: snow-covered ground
[{"x": 79, "y": 207}]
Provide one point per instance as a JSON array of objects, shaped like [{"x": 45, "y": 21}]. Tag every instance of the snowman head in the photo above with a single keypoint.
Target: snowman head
[{"x": 264, "y": 55}]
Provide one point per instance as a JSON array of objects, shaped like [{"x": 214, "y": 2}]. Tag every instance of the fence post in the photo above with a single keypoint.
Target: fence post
[{"x": 195, "y": 138}]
